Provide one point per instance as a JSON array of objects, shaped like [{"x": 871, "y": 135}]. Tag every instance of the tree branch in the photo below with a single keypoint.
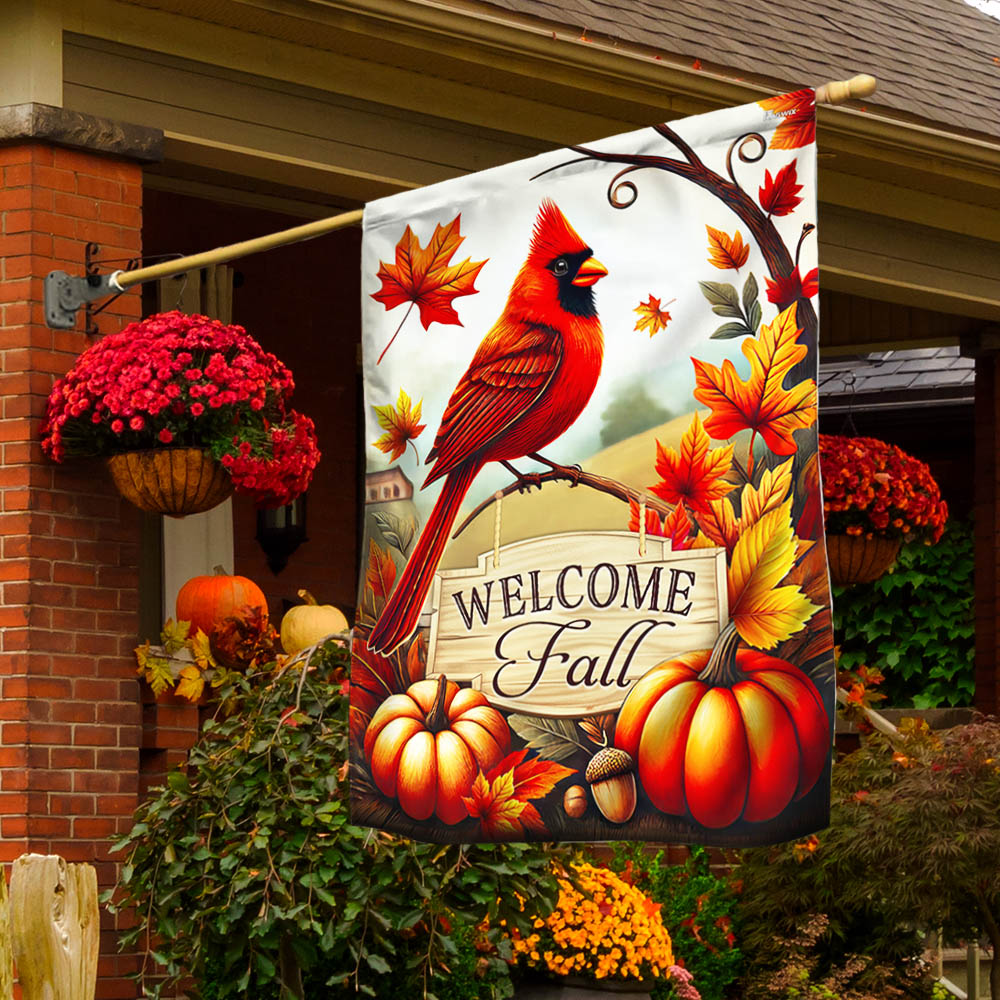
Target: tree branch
[{"x": 577, "y": 477}]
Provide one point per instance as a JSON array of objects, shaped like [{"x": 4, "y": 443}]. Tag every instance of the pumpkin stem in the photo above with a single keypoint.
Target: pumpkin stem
[
  {"x": 721, "y": 669},
  {"x": 437, "y": 718},
  {"x": 219, "y": 570},
  {"x": 304, "y": 595}
]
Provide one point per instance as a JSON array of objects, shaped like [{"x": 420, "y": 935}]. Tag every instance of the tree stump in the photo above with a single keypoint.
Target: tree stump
[{"x": 55, "y": 927}]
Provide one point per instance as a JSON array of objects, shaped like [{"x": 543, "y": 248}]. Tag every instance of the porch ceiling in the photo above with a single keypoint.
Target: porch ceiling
[{"x": 317, "y": 104}]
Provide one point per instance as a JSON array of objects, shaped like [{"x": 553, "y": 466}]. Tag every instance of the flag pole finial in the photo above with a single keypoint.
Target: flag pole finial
[{"x": 838, "y": 91}]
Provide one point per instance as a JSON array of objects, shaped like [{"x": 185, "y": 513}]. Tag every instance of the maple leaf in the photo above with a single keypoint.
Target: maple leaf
[
  {"x": 719, "y": 524},
  {"x": 725, "y": 252},
  {"x": 500, "y": 798},
  {"x": 190, "y": 683},
  {"x": 783, "y": 291},
  {"x": 381, "y": 572},
  {"x": 401, "y": 424},
  {"x": 654, "y": 524},
  {"x": 677, "y": 527},
  {"x": 811, "y": 519},
  {"x": 763, "y": 613},
  {"x": 761, "y": 404},
  {"x": 774, "y": 488},
  {"x": 426, "y": 278},
  {"x": 780, "y": 194},
  {"x": 155, "y": 670},
  {"x": 652, "y": 316},
  {"x": 798, "y": 119},
  {"x": 201, "y": 650},
  {"x": 693, "y": 475},
  {"x": 174, "y": 635}
]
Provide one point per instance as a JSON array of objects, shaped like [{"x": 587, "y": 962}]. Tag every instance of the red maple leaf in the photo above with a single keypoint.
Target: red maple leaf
[
  {"x": 798, "y": 118},
  {"x": 426, "y": 278},
  {"x": 500, "y": 798},
  {"x": 783, "y": 291},
  {"x": 780, "y": 194},
  {"x": 677, "y": 527},
  {"x": 693, "y": 475},
  {"x": 654, "y": 524},
  {"x": 381, "y": 572}
]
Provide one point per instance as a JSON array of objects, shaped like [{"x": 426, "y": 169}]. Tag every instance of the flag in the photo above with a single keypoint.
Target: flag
[{"x": 594, "y": 601}]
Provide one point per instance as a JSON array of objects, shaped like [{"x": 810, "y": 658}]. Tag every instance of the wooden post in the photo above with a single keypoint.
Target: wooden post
[
  {"x": 55, "y": 927},
  {"x": 6, "y": 948}
]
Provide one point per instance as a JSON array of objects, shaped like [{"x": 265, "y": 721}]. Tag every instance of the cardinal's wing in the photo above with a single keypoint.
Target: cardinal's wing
[{"x": 509, "y": 373}]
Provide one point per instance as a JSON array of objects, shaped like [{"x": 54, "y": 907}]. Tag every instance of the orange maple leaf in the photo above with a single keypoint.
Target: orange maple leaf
[
  {"x": 719, "y": 524},
  {"x": 725, "y": 252},
  {"x": 761, "y": 403},
  {"x": 695, "y": 474},
  {"x": 381, "y": 572},
  {"x": 677, "y": 527},
  {"x": 798, "y": 118},
  {"x": 780, "y": 194},
  {"x": 426, "y": 278},
  {"x": 654, "y": 524},
  {"x": 400, "y": 423},
  {"x": 500, "y": 798},
  {"x": 652, "y": 316}
]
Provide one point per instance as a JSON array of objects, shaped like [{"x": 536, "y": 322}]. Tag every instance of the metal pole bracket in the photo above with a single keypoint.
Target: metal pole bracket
[{"x": 64, "y": 294}]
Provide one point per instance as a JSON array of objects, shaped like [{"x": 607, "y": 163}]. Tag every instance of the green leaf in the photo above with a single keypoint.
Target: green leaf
[
  {"x": 554, "y": 739},
  {"x": 750, "y": 293},
  {"x": 729, "y": 330}
]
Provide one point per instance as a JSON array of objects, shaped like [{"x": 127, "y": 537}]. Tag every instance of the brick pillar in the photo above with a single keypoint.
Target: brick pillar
[
  {"x": 70, "y": 716},
  {"x": 987, "y": 531}
]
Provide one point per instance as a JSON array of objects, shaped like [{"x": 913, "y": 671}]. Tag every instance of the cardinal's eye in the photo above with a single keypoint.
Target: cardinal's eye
[{"x": 560, "y": 267}]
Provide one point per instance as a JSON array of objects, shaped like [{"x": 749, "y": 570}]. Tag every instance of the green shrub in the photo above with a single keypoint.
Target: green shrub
[
  {"x": 250, "y": 877},
  {"x": 697, "y": 910},
  {"x": 915, "y": 624}
]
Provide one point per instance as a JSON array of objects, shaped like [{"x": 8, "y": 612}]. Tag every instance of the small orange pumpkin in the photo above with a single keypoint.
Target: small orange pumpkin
[
  {"x": 426, "y": 746},
  {"x": 206, "y": 600}
]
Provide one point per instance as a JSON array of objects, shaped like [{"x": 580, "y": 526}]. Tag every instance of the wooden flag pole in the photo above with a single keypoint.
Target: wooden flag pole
[{"x": 64, "y": 294}]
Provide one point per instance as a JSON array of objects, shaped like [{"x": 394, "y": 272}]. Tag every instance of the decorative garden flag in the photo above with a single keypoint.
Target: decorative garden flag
[{"x": 594, "y": 601}]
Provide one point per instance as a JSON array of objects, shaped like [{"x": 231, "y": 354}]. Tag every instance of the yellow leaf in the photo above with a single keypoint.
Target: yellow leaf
[
  {"x": 174, "y": 635},
  {"x": 775, "y": 486},
  {"x": 702, "y": 541},
  {"x": 201, "y": 650},
  {"x": 191, "y": 683},
  {"x": 719, "y": 524},
  {"x": 158, "y": 674},
  {"x": 726, "y": 252},
  {"x": 775, "y": 616},
  {"x": 652, "y": 316},
  {"x": 763, "y": 555}
]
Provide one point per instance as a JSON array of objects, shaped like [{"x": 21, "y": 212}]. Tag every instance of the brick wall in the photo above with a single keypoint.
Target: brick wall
[{"x": 70, "y": 718}]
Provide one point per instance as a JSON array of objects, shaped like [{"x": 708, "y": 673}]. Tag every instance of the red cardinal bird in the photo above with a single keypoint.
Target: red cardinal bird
[{"x": 529, "y": 380}]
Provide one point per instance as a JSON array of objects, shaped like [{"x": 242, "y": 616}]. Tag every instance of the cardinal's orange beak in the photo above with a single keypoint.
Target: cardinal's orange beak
[{"x": 591, "y": 271}]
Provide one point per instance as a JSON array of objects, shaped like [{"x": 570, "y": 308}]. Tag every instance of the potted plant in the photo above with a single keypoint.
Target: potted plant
[
  {"x": 186, "y": 409},
  {"x": 604, "y": 935},
  {"x": 876, "y": 498}
]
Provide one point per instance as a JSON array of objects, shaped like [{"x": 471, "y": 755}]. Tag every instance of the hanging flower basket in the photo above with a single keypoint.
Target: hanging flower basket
[
  {"x": 857, "y": 559},
  {"x": 171, "y": 481},
  {"x": 203, "y": 401},
  {"x": 876, "y": 499}
]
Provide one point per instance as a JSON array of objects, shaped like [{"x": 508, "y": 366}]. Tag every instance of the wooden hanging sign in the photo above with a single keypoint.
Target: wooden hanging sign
[{"x": 567, "y": 623}]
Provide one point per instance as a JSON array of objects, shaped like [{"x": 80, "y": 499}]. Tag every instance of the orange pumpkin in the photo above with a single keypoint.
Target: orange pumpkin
[
  {"x": 725, "y": 734},
  {"x": 205, "y": 600},
  {"x": 426, "y": 746}
]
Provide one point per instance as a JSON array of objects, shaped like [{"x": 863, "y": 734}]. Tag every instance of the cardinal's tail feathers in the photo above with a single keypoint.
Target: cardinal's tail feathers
[{"x": 399, "y": 616}]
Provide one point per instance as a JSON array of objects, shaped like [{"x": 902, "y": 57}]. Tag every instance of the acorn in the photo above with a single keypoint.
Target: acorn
[
  {"x": 611, "y": 774},
  {"x": 575, "y": 801}
]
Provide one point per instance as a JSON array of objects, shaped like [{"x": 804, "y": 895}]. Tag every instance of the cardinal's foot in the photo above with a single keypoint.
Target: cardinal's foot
[{"x": 525, "y": 480}]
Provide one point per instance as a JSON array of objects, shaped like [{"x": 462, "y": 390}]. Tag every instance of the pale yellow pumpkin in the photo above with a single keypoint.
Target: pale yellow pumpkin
[{"x": 308, "y": 623}]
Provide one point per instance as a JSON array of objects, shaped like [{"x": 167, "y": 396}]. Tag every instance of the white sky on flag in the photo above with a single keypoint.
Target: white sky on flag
[
  {"x": 991, "y": 7},
  {"x": 658, "y": 246}
]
